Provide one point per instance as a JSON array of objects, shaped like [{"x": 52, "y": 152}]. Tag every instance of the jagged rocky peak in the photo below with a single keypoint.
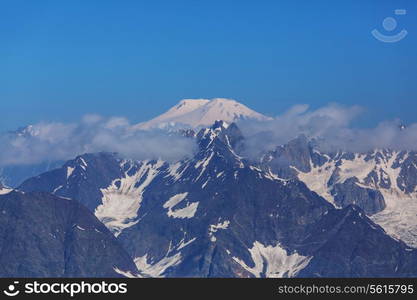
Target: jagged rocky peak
[
  {"x": 77, "y": 176},
  {"x": 298, "y": 155},
  {"x": 187, "y": 133},
  {"x": 382, "y": 181},
  {"x": 26, "y": 131},
  {"x": 221, "y": 137}
]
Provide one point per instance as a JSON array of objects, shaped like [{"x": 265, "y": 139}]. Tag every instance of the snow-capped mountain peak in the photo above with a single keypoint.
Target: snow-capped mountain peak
[
  {"x": 26, "y": 131},
  {"x": 201, "y": 112}
]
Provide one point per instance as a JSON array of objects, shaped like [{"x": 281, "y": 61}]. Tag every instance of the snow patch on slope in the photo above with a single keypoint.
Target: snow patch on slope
[
  {"x": 156, "y": 270},
  {"x": 203, "y": 163},
  {"x": 186, "y": 212},
  {"x": 273, "y": 261},
  {"x": 216, "y": 227},
  {"x": 126, "y": 274},
  {"x": 121, "y": 200},
  {"x": 4, "y": 191},
  {"x": 399, "y": 218},
  {"x": 70, "y": 170},
  {"x": 173, "y": 170},
  {"x": 358, "y": 167},
  {"x": 184, "y": 243},
  {"x": 316, "y": 180}
]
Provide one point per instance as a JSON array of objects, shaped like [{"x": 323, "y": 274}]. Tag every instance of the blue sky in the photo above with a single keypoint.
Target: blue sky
[{"x": 63, "y": 59}]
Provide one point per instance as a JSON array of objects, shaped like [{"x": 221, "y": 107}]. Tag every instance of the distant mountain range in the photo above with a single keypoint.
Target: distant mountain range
[{"x": 294, "y": 211}]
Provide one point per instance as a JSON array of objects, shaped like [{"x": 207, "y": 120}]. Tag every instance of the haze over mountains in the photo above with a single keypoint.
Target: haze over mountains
[
  {"x": 37, "y": 148},
  {"x": 288, "y": 209}
]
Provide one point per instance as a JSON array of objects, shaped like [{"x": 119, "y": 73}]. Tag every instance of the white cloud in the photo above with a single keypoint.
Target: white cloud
[
  {"x": 332, "y": 126},
  {"x": 61, "y": 141}
]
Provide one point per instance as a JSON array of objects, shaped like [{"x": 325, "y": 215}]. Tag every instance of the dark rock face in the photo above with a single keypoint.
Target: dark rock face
[
  {"x": 354, "y": 186},
  {"x": 219, "y": 215},
  {"x": 281, "y": 212},
  {"x": 371, "y": 201},
  {"x": 407, "y": 179},
  {"x": 297, "y": 153},
  {"x": 46, "y": 236},
  {"x": 380, "y": 179},
  {"x": 79, "y": 179},
  {"x": 345, "y": 243},
  {"x": 232, "y": 214}
]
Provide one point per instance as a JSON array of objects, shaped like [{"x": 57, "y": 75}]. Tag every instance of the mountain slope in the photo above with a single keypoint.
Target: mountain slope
[
  {"x": 201, "y": 112},
  {"x": 47, "y": 236},
  {"x": 219, "y": 215},
  {"x": 346, "y": 243},
  {"x": 382, "y": 182}
]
